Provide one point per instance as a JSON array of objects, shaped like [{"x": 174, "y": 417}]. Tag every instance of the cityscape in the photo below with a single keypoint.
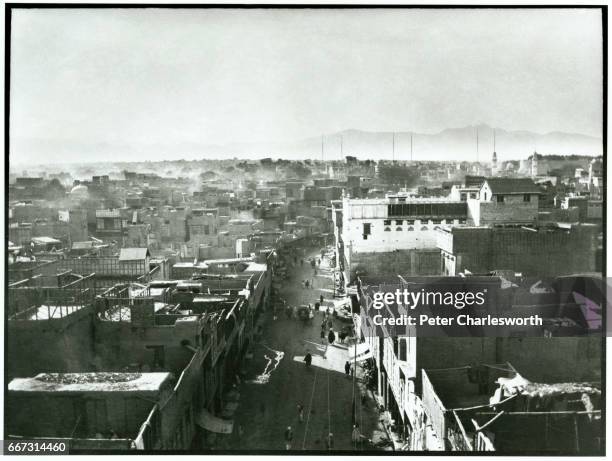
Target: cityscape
[{"x": 220, "y": 299}]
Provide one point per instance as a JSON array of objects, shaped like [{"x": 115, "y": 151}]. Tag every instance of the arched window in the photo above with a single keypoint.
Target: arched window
[
  {"x": 424, "y": 228},
  {"x": 398, "y": 229},
  {"x": 387, "y": 229},
  {"x": 410, "y": 228}
]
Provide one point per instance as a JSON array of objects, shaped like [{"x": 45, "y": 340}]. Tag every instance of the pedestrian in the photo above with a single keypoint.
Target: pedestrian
[
  {"x": 308, "y": 359},
  {"x": 356, "y": 435},
  {"x": 347, "y": 368},
  {"x": 331, "y": 337},
  {"x": 329, "y": 323},
  {"x": 330, "y": 441},
  {"x": 322, "y": 335},
  {"x": 307, "y": 283},
  {"x": 317, "y": 305},
  {"x": 301, "y": 263},
  {"x": 300, "y": 409},
  {"x": 288, "y": 437},
  {"x": 312, "y": 283},
  {"x": 319, "y": 262},
  {"x": 321, "y": 299}
]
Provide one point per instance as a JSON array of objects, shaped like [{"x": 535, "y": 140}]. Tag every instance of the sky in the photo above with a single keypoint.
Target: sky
[{"x": 85, "y": 82}]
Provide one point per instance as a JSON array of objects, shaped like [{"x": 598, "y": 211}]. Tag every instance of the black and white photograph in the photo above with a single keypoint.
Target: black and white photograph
[{"x": 299, "y": 229}]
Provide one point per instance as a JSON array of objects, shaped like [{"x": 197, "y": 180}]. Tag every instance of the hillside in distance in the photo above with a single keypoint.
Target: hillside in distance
[{"x": 451, "y": 144}]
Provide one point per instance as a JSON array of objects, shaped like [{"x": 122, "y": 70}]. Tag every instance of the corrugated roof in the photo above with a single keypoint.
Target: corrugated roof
[
  {"x": 133, "y": 254},
  {"x": 512, "y": 186}
]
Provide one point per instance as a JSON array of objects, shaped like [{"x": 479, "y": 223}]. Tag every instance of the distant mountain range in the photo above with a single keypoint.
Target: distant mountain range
[{"x": 449, "y": 144}]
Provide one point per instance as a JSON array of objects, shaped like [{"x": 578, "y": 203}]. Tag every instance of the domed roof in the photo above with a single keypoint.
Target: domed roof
[{"x": 79, "y": 189}]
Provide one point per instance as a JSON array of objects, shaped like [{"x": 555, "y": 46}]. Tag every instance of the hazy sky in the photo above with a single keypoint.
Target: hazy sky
[{"x": 144, "y": 77}]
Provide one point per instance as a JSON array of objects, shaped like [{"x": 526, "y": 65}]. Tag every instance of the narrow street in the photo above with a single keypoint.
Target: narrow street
[{"x": 278, "y": 379}]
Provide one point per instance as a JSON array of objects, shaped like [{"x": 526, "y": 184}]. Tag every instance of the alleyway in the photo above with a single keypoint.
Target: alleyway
[{"x": 278, "y": 379}]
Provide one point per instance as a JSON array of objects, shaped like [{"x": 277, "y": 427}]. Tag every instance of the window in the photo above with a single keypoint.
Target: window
[
  {"x": 527, "y": 198},
  {"x": 436, "y": 221},
  {"x": 424, "y": 228},
  {"x": 387, "y": 222},
  {"x": 398, "y": 229},
  {"x": 500, "y": 199},
  {"x": 387, "y": 229},
  {"x": 399, "y": 222},
  {"x": 367, "y": 230},
  {"x": 410, "y": 228}
]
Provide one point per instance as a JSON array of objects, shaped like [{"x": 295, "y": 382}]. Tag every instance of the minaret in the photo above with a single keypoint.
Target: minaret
[
  {"x": 494, "y": 159},
  {"x": 534, "y": 164}
]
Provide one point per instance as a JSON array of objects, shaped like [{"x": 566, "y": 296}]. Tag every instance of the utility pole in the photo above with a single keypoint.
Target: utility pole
[
  {"x": 394, "y": 146},
  {"x": 322, "y": 146},
  {"x": 411, "y": 159},
  {"x": 476, "y": 145}
]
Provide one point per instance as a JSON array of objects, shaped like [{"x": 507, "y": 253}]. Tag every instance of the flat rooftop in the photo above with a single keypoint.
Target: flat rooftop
[{"x": 91, "y": 382}]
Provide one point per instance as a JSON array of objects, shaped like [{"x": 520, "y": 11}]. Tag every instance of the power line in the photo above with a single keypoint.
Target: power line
[{"x": 314, "y": 384}]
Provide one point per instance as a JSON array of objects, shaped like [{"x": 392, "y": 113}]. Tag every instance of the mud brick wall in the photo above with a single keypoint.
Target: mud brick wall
[
  {"x": 402, "y": 262},
  {"x": 44, "y": 346},
  {"x": 540, "y": 253},
  {"x": 513, "y": 209}
]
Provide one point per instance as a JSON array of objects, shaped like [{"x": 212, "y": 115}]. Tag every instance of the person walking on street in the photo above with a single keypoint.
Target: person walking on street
[
  {"x": 331, "y": 337},
  {"x": 347, "y": 368},
  {"x": 321, "y": 299},
  {"x": 288, "y": 437},
  {"x": 329, "y": 442},
  {"x": 322, "y": 335},
  {"x": 356, "y": 435},
  {"x": 300, "y": 409},
  {"x": 308, "y": 359}
]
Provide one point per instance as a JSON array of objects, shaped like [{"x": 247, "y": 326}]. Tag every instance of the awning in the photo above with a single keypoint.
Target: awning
[
  {"x": 363, "y": 352},
  {"x": 214, "y": 424}
]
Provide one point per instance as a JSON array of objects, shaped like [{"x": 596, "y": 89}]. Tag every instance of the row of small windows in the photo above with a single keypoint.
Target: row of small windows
[
  {"x": 400, "y": 222},
  {"x": 409, "y": 228},
  {"x": 367, "y": 227}
]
